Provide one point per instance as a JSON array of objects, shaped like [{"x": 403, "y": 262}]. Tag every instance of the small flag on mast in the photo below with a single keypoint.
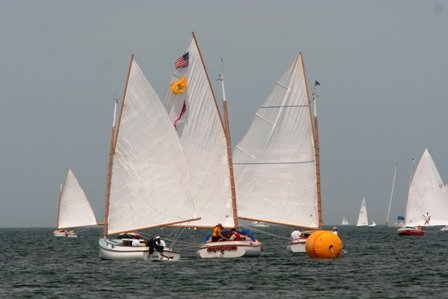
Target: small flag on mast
[
  {"x": 316, "y": 83},
  {"x": 179, "y": 86},
  {"x": 182, "y": 61}
]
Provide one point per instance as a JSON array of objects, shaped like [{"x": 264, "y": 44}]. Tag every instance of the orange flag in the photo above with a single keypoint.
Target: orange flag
[{"x": 179, "y": 86}]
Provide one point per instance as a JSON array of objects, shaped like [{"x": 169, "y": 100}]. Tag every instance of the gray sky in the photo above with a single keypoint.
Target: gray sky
[{"x": 382, "y": 66}]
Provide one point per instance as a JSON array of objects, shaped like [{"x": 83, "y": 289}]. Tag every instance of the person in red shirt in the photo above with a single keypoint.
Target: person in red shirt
[{"x": 235, "y": 235}]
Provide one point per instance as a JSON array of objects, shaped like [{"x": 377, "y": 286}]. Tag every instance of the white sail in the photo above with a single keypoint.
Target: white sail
[
  {"x": 275, "y": 165},
  {"x": 74, "y": 207},
  {"x": 427, "y": 195},
  {"x": 362, "y": 218},
  {"x": 201, "y": 134},
  {"x": 344, "y": 221},
  {"x": 150, "y": 179}
]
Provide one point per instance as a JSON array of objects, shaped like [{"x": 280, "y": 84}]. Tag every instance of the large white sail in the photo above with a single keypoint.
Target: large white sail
[
  {"x": 275, "y": 165},
  {"x": 363, "y": 219},
  {"x": 74, "y": 207},
  {"x": 150, "y": 179},
  {"x": 194, "y": 112},
  {"x": 427, "y": 195}
]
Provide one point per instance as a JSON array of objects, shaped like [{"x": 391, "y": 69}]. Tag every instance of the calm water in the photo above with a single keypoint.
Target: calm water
[{"x": 377, "y": 263}]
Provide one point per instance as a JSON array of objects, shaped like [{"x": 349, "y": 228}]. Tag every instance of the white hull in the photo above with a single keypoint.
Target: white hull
[
  {"x": 297, "y": 246},
  {"x": 115, "y": 250},
  {"x": 62, "y": 234},
  {"x": 230, "y": 249}
]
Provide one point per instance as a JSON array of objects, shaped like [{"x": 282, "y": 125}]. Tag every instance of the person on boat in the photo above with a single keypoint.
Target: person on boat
[
  {"x": 419, "y": 227},
  {"x": 235, "y": 235},
  {"x": 427, "y": 218},
  {"x": 335, "y": 230},
  {"x": 296, "y": 234},
  {"x": 217, "y": 233},
  {"x": 155, "y": 243},
  {"x": 135, "y": 243}
]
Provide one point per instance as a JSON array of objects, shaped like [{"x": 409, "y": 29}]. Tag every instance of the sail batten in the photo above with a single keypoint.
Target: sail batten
[{"x": 275, "y": 162}]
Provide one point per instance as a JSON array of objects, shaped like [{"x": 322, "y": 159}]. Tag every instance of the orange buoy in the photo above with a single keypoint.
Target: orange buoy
[{"x": 323, "y": 244}]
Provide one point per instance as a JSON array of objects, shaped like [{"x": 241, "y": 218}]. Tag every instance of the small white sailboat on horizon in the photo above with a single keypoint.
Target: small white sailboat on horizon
[
  {"x": 205, "y": 139},
  {"x": 344, "y": 221},
  {"x": 427, "y": 198},
  {"x": 277, "y": 161},
  {"x": 74, "y": 209},
  {"x": 363, "y": 219},
  {"x": 148, "y": 182}
]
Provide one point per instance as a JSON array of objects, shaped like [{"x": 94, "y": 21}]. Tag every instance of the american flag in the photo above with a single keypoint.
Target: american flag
[{"x": 182, "y": 61}]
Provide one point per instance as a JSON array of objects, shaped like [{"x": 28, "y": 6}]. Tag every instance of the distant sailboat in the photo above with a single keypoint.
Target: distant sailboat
[
  {"x": 277, "y": 162},
  {"x": 363, "y": 219},
  {"x": 148, "y": 179},
  {"x": 344, "y": 221},
  {"x": 427, "y": 198},
  {"x": 74, "y": 208}
]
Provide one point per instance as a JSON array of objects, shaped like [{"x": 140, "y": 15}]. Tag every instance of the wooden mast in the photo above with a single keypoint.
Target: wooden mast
[
  {"x": 113, "y": 144},
  {"x": 227, "y": 136},
  {"x": 314, "y": 126},
  {"x": 229, "y": 153}
]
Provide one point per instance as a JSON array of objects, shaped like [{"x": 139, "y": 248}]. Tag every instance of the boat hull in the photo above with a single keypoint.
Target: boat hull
[
  {"x": 410, "y": 231},
  {"x": 64, "y": 234},
  {"x": 230, "y": 249},
  {"x": 112, "y": 249},
  {"x": 297, "y": 246}
]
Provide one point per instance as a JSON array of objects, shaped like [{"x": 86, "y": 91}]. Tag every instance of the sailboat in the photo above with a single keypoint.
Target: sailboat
[
  {"x": 205, "y": 140},
  {"x": 344, "y": 221},
  {"x": 363, "y": 219},
  {"x": 277, "y": 161},
  {"x": 427, "y": 198},
  {"x": 74, "y": 209},
  {"x": 148, "y": 178}
]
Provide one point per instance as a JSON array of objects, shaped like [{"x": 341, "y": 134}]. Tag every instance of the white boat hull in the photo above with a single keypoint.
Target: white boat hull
[
  {"x": 230, "y": 249},
  {"x": 297, "y": 246},
  {"x": 115, "y": 250},
  {"x": 63, "y": 234}
]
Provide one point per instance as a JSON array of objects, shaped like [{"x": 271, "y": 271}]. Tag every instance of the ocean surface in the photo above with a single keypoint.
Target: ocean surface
[{"x": 376, "y": 263}]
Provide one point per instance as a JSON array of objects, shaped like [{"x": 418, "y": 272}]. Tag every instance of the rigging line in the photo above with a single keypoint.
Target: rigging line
[
  {"x": 285, "y": 106},
  {"x": 264, "y": 232},
  {"x": 272, "y": 163}
]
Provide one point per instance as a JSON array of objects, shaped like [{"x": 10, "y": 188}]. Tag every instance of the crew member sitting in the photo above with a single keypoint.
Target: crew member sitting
[
  {"x": 235, "y": 235},
  {"x": 155, "y": 244},
  {"x": 217, "y": 233},
  {"x": 295, "y": 235}
]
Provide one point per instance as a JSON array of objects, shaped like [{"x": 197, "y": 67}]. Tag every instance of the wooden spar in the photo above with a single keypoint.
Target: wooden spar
[
  {"x": 227, "y": 136},
  {"x": 208, "y": 79},
  {"x": 314, "y": 126},
  {"x": 113, "y": 144},
  {"x": 173, "y": 224},
  {"x": 229, "y": 155}
]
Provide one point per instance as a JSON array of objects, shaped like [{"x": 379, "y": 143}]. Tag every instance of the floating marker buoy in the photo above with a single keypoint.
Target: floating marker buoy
[{"x": 323, "y": 244}]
